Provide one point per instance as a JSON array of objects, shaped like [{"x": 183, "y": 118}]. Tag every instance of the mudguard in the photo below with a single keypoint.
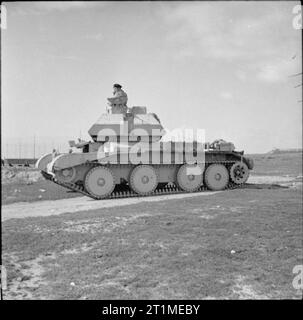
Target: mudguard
[{"x": 43, "y": 161}]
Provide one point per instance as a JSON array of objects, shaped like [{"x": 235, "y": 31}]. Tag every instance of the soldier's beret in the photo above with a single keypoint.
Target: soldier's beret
[{"x": 117, "y": 85}]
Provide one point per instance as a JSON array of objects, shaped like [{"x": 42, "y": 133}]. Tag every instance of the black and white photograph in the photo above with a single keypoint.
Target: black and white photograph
[{"x": 151, "y": 150}]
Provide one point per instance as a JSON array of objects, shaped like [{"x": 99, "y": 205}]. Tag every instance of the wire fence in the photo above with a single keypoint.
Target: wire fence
[{"x": 31, "y": 148}]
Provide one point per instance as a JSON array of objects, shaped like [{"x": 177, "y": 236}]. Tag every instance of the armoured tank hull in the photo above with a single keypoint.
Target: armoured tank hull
[{"x": 128, "y": 157}]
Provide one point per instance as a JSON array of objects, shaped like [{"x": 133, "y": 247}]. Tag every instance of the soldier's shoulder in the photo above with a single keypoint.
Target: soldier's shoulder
[{"x": 121, "y": 93}]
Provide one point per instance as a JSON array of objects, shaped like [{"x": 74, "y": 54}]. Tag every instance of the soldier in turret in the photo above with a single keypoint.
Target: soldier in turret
[{"x": 119, "y": 100}]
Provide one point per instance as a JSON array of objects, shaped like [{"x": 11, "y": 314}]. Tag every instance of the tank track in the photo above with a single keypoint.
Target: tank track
[{"x": 174, "y": 189}]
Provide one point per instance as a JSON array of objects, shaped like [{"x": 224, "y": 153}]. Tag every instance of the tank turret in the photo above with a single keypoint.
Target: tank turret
[{"x": 133, "y": 125}]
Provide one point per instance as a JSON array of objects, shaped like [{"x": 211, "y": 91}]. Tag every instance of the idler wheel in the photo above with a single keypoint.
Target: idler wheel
[{"x": 66, "y": 175}]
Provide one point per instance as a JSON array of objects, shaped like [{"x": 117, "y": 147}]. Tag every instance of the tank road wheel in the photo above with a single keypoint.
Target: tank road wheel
[
  {"x": 99, "y": 182},
  {"x": 143, "y": 179},
  {"x": 216, "y": 177},
  {"x": 66, "y": 175},
  {"x": 239, "y": 172},
  {"x": 187, "y": 180}
]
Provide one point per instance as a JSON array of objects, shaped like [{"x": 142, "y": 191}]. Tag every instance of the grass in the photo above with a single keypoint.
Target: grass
[
  {"x": 277, "y": 164},
  {"x": 154, "y": 250}
]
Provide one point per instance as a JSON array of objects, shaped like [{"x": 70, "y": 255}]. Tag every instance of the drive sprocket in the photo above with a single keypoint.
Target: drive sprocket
[{"x": 239, "y": 172}]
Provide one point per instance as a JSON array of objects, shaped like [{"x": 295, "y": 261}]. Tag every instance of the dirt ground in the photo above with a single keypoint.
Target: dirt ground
[
  {"x": 55, "y": 207},
  {"x": 236, "y": 244}
]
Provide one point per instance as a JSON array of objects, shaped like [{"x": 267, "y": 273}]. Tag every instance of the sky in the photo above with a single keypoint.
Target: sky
[{"x": 224, "y": 67}]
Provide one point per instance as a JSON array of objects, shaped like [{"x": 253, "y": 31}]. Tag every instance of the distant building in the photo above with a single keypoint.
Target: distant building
[
  {"x": 16, "y": 162},
  {"x": 291, "y": 150}
]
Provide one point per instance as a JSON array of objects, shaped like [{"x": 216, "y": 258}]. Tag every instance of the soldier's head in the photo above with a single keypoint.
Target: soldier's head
[{"x": 117, "y": 87}]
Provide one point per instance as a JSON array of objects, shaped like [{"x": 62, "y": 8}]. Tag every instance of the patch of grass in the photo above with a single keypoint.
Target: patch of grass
[
  {"x": 37, "y": 191},
  {"x": 278, "y": 164}
]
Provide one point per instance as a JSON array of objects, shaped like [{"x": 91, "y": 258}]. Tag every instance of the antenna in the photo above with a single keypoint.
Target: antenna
[{"x": 34, "y": 146}]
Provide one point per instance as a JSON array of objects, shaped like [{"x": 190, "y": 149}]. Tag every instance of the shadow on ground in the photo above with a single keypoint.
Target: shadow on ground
[{"x": 263, "y": 186}]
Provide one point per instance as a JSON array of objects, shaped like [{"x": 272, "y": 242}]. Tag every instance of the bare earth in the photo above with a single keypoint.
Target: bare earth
[
  {"x": 55, "y": 207},
  {"x": 235, "y": 244}
]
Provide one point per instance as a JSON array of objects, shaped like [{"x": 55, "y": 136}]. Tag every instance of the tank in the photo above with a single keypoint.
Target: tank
[{"x": 129, "y": 155}]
